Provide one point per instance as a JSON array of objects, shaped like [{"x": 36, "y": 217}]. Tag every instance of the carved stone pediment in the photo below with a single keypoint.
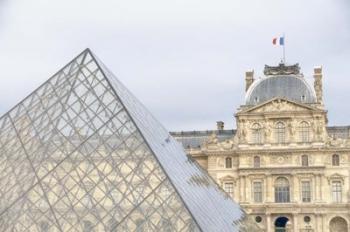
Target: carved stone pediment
[
  {"x": 278, "y": 105},
  {"x": 336, "y": 176},
  {"x": 227, "y": 178}
]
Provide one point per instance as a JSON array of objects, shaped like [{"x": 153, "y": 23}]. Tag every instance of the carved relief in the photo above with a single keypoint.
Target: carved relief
[
  {"x": 281, "y": 159},
  {"x": 242, "y": 131},
  {"x": 213, "y": 139},
  {"x": 268, "y": 131},
  {"x": 292, "y": 127},
  {"x": 279, "y": 105},
  {"x": 220, "y": 162}
]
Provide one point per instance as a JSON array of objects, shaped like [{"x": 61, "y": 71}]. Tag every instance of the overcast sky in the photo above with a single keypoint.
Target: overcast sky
[{"x": 185, "y": 60}]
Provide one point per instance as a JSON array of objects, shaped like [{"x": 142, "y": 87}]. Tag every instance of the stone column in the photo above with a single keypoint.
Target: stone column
[
  {"x": 269, "y": 189},
  {"x": 320, "y": 197},
  {"x": 248, "y": 189},
  {"x": 295, "y": 222},
  {"x": 295, "y": 190},
  {"x": 268, "y": 223},
  {"x": 318, "y": 224},
  {"x": 242, "y": 188},
  {"x": 316, "y": 188}
]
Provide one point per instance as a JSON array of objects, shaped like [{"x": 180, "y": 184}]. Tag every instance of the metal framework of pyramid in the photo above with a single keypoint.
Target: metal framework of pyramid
[{"x": 81, "y": 153}]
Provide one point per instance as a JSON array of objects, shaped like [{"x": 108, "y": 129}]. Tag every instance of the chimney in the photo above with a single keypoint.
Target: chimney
[
  {"x": 249, "y": 79},
  {"x": 318, "y": 84},
  {"x": 220, "y": 125}
]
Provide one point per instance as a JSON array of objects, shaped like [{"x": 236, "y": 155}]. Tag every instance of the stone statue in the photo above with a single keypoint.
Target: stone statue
[
  {"x": 242, "y": 132},
  {"x": 213, "y": 139}
]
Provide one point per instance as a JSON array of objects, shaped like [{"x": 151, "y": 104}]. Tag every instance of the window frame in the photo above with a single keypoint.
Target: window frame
[
  {"x": 257, "y": 133},
  {"x": 256, "y": 161},
  {"x": 282, "y": 190},
  {"x": 306, "y": 193},
  {"x": 225, "y": 184},
  {"x": 337, "y": 191},
  {"x": 305, "y": 161},
  {"x": 257, "y": 191},
  {"x": 228, "y": 160},
  {"x": 335, "y": 160},
  {"x": 280, "y": 132},
  {"x": 304, "y": 132}
]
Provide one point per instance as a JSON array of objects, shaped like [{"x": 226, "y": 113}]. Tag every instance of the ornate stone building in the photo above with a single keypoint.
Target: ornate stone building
[{"x": 283, "y": 164}]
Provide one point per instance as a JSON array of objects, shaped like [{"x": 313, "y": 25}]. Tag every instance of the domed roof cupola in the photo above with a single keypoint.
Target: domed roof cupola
[{"x": 281, "y": 81}]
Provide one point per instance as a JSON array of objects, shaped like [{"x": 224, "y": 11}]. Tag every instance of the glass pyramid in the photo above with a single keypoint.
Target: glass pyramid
[{"x": 81, "y": 153}]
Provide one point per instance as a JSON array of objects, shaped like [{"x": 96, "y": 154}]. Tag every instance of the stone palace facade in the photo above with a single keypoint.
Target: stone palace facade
[{"x": 283, "y": 164}]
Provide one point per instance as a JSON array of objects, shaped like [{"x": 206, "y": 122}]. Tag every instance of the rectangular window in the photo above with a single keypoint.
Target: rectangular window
[
  {"x": 257, "y": 136},
  {"x": 304, "y": 132},
  {"x": 257, "y": 191},
  {"x": 228, "y": 187},
  {"x": 280, "y": 132},
  {"x": 336, "y": 191},
  {"x": 306, "y": 191}
]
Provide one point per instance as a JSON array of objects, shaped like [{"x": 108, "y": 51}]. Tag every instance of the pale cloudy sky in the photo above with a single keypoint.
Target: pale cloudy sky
[{"x": 184, "y": 59}]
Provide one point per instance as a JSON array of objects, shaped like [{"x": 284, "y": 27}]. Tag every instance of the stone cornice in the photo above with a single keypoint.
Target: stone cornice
[{"x": 282, "y": 170}]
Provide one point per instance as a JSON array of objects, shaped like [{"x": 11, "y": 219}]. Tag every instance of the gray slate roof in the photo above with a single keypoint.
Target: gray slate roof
[{"x": 292, "y": 87}]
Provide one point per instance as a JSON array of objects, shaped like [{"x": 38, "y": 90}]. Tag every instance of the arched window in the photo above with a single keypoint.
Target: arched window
[
  {"x": 304, "y": 160},
  {"x": 256, "y": 162},
  {"x": 228, "y": 162},
  {"x": 304, "y": 129},
  {"x": 257, "y": 133},
  {"x": 335, "y": 160},
  {"x": 282, "y": 190},
  {"x": 280, "y": 131},
  {"x": 338, "y": 224}
]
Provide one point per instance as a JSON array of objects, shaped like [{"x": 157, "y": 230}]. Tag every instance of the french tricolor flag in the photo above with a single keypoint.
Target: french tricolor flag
[{"x": 278, "y": 41}]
